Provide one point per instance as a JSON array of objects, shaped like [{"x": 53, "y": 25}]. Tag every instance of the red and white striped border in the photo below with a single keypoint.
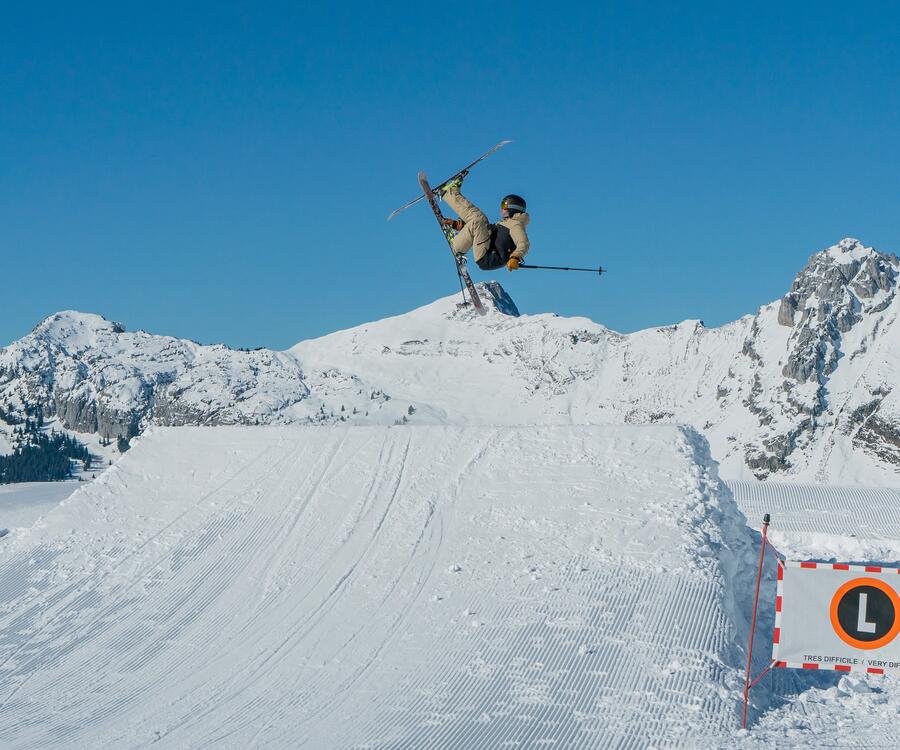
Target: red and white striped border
[
  {"x": 776, "y": 636},
  {"x": 825, "y": 667},
  {"x": 779, "y": 590},
  {"x": 837, "y": 566}
]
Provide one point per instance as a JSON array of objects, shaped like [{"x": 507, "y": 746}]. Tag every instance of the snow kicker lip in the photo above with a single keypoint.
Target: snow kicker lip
[{"x": 369, "y": 586}]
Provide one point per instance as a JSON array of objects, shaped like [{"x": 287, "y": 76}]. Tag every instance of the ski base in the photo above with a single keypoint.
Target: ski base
[{"x": 460, "y": 261}]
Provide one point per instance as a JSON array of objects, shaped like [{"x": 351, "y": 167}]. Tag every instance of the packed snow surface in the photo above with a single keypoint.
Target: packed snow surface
[
  {"x": 846, "y": 524},
  {"x": 22, "y": 504},
  {"x": 375, "y": 587}
]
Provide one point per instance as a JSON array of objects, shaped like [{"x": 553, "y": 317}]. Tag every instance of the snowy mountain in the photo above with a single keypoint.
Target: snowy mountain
[
  {"x": 98, "y": 378},
  {"x": 803, "y": 389},
  {"x": 800, "y": 389}
]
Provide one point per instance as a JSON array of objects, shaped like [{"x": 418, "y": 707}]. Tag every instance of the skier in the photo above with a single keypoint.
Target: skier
[{"x": 493, "y": 245}]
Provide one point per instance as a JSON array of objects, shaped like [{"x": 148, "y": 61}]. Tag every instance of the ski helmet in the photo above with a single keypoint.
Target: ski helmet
[{"x": 513, "y": 203}]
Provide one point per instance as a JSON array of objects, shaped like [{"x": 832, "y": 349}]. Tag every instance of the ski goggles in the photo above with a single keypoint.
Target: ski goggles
[{"x": 506, "y": 205}]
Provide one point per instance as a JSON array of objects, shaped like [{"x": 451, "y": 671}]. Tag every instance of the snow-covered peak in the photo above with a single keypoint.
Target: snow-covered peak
[
  {"x": 849, "y": 250},
  {"x": 75, "y": 319},
  {"x": 846, "y": 265},
  {"x": 839, "y": 284},
  {"x": 853, "y": 263},
  {"x": 839, "y": 288},
  {"x": 74, "y": 329},
  {"x": 493, "y": 296}
]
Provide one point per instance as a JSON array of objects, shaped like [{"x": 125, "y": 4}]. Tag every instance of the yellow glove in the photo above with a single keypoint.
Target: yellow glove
[{"x": 513, "y": 263}]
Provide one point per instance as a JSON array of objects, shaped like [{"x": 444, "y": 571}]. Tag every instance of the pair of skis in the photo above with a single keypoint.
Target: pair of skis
[
  {"x": 430, "y": 195},
  {"x": 438, "y": 189},
  {"x": 460, "y": 260}
]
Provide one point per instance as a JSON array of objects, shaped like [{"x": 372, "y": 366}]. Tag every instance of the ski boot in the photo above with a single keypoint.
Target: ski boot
[{"x": 454, "y": 183}]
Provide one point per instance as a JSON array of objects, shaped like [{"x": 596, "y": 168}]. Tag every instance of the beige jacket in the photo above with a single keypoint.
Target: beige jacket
[{"x": 516, "y": 226}]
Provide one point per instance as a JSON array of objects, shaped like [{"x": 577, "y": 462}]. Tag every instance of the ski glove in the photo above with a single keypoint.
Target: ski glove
[
  {"x": 513, "y": 263},
  {"x": 456, "y": 224}
]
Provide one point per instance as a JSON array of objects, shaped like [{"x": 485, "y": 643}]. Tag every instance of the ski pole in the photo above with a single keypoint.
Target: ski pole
[
  {"x": 563, "y": 268},
  {"x": 762, "y": 553}
]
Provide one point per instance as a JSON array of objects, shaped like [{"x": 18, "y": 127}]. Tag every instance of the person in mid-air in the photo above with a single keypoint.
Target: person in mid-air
[{"x": 493, "y": 245}]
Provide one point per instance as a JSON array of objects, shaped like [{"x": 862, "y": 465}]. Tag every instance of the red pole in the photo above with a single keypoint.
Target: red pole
[
  {"x": 763, "y": 673},
  {"x": 762, "y": 552}
]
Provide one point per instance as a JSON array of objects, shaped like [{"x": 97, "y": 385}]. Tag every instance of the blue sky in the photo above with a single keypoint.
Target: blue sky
[{"x": 223, "y": 172}]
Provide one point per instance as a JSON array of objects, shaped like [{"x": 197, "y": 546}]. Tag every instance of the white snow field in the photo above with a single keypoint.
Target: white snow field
[
  {"x": 382, "y": 587},
  {"x": 22, "y": 504},
  {"x": 825, "y": 522}
]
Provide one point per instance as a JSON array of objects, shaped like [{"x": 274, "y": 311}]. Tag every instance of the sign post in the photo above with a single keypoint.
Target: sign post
[
  {"x": 747, "y": 683},
  {"x": 830, "y": 616}
]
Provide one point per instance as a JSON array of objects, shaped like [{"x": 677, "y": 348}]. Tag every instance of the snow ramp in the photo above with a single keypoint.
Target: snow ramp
[{"x": 381, "y": 587}]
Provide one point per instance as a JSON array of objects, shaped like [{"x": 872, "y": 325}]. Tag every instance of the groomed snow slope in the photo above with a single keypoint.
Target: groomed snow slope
[
  {"x": 821, "y": 522},
  {"x": 380, "y": 587}
]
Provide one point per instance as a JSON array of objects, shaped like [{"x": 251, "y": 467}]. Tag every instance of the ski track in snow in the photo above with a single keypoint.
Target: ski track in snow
[
  {"x": 373, "y": 587},
  {"x": 440, "y": 587},
  {"x": 825, "y": 522}
]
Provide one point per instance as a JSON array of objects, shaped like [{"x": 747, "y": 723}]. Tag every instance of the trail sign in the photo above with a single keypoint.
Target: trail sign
[{"x": 837, "y": 616}]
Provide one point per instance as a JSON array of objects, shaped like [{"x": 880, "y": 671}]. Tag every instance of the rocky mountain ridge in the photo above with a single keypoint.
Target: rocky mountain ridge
[
  {"x": 95, "y": 377},
  {"x": 803, "y": 389}
]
